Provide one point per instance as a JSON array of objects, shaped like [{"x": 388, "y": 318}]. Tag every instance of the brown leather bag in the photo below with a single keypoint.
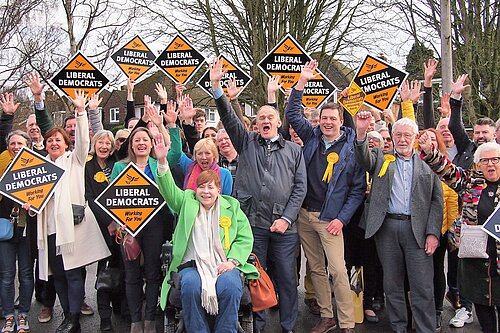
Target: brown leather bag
[
  {"x": 262, "y": 290},
  {"x": 131, "y": 248}
]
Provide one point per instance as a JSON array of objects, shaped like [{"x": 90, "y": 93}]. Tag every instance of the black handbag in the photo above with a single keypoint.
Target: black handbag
[
  {"x": 109, "y": 279},
  {"x": 78, "y": 213}
]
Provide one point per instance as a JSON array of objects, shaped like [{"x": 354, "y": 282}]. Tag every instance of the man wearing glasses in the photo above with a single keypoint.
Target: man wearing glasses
[{"x": 404, "y": 212}]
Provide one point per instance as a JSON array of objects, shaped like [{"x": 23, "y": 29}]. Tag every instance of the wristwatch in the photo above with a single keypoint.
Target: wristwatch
[{"x": 235, "y": 262}]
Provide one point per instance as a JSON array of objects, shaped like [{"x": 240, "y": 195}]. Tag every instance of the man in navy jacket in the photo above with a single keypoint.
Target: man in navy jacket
[{"x": 335, "y": 188}]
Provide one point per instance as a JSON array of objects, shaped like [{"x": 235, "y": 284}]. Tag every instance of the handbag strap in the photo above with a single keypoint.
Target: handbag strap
[{"x": 362, "y": 279}]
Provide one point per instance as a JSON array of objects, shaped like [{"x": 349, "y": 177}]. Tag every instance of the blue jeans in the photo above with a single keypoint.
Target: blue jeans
[
  {"x": 229, "y": 290},
  {"x": 9, "y": 252}
]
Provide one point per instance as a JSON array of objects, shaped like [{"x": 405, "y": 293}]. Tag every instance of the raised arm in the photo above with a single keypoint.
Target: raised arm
[
  {"x": 173, "y": 195},
  {"x": 430, "y": 68},
  {"x": 9, "y": 108},
  {"x": 43, "y": 119},
  {"x": 82, "y": 139},
  {"x": 456, "y": 124},
  {"x": 366, "y": 159},
  {"x": 233, "y": 125},
  {"x": 130, "y": 102},
  {"x": 95, "y": 113},
  {"x": 303, "y": 128},
  {"x": 233, "y": 92}
]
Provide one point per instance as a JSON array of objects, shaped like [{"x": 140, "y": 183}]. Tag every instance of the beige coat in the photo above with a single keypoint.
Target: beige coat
[{"x": 89, "y": 245}]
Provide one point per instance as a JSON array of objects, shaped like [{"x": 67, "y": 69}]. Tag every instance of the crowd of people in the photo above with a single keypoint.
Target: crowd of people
[{"x": 373, "y": 190}]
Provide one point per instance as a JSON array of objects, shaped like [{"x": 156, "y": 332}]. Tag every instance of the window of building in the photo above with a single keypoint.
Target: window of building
[
  {"x": 114, "y": 115},
  {"x": 210, "y": 114}
]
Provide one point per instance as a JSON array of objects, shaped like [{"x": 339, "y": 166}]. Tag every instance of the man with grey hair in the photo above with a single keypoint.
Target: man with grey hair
[
  {"x": 228, "y": 156},
  {"x": 34, "y": 132},
  {"x": 404, "y": 211}
]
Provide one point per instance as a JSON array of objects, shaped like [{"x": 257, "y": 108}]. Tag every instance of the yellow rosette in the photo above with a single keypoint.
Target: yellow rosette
[
  {"x": 388, "y": 159},
  {"x": 332, "y": 158},
  {"x": 100, "y": 177},
  {"x": 225, "y": 223}
]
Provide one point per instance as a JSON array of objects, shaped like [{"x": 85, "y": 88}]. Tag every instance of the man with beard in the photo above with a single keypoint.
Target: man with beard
[
  {"x": 404, "y": 213},
  {"x": 484, "y": 128}
]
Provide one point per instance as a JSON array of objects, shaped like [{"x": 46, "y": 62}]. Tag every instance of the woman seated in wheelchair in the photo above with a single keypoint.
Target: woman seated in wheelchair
[{"x": 211, "y": 245}]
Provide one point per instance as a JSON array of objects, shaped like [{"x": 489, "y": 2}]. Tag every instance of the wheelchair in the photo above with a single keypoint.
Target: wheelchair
[{"x": 173, "y": 319}]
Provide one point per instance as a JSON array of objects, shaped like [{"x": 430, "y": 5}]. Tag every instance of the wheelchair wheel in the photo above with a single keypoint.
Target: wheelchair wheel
[{"x": 245, "y": 324}]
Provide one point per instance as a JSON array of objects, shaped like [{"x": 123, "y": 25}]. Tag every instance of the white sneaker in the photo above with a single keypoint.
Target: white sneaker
[{"x": 462, "y": 317}]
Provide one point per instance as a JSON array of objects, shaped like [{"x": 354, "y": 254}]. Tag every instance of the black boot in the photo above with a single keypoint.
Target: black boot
[
  {"x": 73, "y": 324},
  {"x": 65, "y": 323}
]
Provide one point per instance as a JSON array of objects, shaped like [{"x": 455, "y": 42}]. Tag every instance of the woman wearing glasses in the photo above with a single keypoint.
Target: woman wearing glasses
[{"x": 478, "y": 279}]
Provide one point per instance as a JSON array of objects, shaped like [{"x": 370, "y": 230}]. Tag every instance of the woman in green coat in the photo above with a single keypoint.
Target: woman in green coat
[{"x": 211, "y": 244}]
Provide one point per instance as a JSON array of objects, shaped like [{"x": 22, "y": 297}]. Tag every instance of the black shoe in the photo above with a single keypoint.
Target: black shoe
[
  {"x": 106, "y": 324},
  {"x": 63, "y": 325},
  {"x": 71, "y": 324},
  {"x": 378, "y": 304}
]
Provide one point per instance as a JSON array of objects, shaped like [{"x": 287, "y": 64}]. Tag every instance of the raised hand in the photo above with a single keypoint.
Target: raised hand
[
  {"x": 161, "y": 149},
  {"x": 171, "y": 114},
  {"x": 179, "y": 88},
  {"x": 7, "y": 103},
  {"x": 307, "y": 74},
  {"x": 363, "y": 120},
  {"x": 430, "y": 67},
  {"x": 388, "y": 116},
  {"x": 415, "y": 92},
  {"x": 410, "y": 91},
  {"x": 162, "y": 93},
  {"x": 273, "y": 84},
  {"x": 94, "y": 102},
  {"x": 216, "y": 73},
  {"x": 425, "y": 143},
  {"x": 130, "y": 89},
  {"x": 458, "y": 86},
  {"x": 79, "y": 100},
  {"x": 154, "y": 116},
  {"x": 232, "y": 89},
  {"x": 445, "y": 107},
  {"x": 188, "y": 109},
  {"x": 32, "y": 80}
]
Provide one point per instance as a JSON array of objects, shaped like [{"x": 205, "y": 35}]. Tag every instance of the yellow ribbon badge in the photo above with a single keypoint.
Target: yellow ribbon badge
[
  {"x": 332, "y": 158},
  {"x": 225, "y": 223},
  {"x": 388, "y": 159},
  {"x": 100, "y": 177}
]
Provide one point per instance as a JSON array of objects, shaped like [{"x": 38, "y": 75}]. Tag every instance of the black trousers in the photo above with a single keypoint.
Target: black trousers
[
  {"x": 69, "y": 284},
  {"x": 487, "y": 317}
]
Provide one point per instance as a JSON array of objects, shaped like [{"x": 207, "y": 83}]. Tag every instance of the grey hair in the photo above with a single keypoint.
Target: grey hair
[
  {"x": 486, "y": 147},
  {"x": 21, "y": 134},
  {"x": 220, "y": 131},
  {"x": 405, "y": 122},
  {"x": 99, "y": 136}
]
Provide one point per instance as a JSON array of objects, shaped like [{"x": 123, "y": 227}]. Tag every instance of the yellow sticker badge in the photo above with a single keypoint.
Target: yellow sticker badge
[
  {"x": 332, "y": 158},
  {"x": 225, "y": 223},
  {"x": 100, "y": 177},
  {"x": 388, "y": 159}
]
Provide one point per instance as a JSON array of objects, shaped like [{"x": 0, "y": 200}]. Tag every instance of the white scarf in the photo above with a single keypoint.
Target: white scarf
[{"x": 208, "y": 254}]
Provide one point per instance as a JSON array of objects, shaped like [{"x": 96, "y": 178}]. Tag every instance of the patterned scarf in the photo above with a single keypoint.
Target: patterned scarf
[{"x": 194, "y": 171}]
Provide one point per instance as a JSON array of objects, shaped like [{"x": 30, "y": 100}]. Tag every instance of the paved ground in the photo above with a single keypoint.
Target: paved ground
[{"x": 304, "y": 324}]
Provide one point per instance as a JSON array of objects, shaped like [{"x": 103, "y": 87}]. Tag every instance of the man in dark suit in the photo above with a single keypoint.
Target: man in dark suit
[{"x": 404, "y": 212}]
